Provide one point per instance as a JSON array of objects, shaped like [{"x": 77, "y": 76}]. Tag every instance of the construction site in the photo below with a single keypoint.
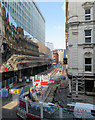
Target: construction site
[{"x": 33, "y": 85}]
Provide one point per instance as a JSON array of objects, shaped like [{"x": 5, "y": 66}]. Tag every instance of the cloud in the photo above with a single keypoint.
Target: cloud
[
  {"x": 58, "y": 27},
  {"x": 64, "y": 6}
]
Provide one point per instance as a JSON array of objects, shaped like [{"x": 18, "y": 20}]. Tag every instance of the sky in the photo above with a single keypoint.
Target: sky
[{"x": 54, "y": 14}]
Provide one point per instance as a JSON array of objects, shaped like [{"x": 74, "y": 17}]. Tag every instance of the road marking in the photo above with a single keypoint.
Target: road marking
[{"x": 11, "y": 105}]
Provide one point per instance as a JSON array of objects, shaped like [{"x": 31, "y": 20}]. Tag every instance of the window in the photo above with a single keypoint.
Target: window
[
  {"x": 10, "y": 80},
  {"x": 88, "y": 64},
  {"x": 87, "y": 14},
  {"x": 7, "y": 82},
  {"x": 93, "y": 112},
  {"x": 14, "y": 79},
  {"x": 3, "y": 84},
  {"x": 87, "y": 36}
]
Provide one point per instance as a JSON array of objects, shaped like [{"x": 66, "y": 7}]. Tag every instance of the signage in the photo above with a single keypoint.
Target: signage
[
  {"x": 22, "y": 104},
  {"x": 4, "y": 92},
  {"x": 6, "y": 68},
  {"x": 15, "y": 91}
]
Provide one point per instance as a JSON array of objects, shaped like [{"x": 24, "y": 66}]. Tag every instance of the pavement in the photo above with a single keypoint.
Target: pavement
[
  {"x": 9, "y": 104},
  {"x": 9, "y": 108},
  {"x": 61, "y": 93}
]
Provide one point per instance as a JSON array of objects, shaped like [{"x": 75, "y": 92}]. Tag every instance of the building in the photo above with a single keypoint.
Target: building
[
  {"x": 16, "y": 40},
  {"x": 49, "y": 45},
  {"x": 20, "y": 55},
  {"x": 44, "y": 50},
  {"x": 28, "y": 16},
  {"x": 61, "y": 55},
  {"x": 18, "y": 49},
  {"x": 65, "y": 58},
  {"x": 55, "y": 57},
  {"x": 80, "y": 42}
]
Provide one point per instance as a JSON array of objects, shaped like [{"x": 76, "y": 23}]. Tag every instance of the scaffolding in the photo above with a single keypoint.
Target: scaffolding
[{"x": 78, "y": 88}]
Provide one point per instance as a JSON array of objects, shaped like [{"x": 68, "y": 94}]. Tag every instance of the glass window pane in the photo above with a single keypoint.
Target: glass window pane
[
  {"x": 10, "y": 80},
  {"x": 87, "y": 17},
  {"x": 7, "y": 82},
  {"x": 87, "y": 11},
  {"x": 87, "y": 60},
  {"x": 3, "y": 84},
  {"x": 93, "y": 112},
  {"x": 87, "y": 32},
  {"x": 14, "y": 79},
  {"x": 88, "y": 68},
  {"x": 88, "y": 40}
]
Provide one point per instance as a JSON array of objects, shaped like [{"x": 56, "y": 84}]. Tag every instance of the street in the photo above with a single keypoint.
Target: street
[{"x": 58, "y": 95}]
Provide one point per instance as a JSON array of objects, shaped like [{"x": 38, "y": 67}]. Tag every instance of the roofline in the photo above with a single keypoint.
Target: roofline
[{"x": 38, "y": 10}]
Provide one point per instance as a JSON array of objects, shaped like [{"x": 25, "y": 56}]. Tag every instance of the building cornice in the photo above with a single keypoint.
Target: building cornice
[
  {"x": 38, "y": 10},
  {"x": 71, "y": 24},
  {"x": 87, "y": 5},
  {"x": 87, "y": 45}
]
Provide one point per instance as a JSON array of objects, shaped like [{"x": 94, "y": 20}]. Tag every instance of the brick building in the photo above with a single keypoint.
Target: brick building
[{"x": 55, "y": 57}]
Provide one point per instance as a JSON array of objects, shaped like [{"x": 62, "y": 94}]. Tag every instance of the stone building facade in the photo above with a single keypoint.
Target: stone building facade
[{"x": 80, "y": 40}]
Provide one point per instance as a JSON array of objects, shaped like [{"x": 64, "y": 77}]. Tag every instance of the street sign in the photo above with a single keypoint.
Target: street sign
[
  {"x": 15, "y": 91},
  {"x": 4, "y": 92}
]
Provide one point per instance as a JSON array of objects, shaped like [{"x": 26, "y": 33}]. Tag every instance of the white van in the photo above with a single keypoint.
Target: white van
[{"x": 83, "y": 110}]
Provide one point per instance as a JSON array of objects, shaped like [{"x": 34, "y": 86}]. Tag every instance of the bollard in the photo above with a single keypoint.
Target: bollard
[
  {"x": 69, "y": 85},
  {"x": 35, "y": 77},
  {"x": 42, "y": 111},
  {"x": 26, "y": 106},
  {"x": 40, "y": 79},
  {"x": 33, "y": 81},
  {"x": 42, "y": 95},
  {"x": 45, "y": 93},
  {"x": 60, "y": 113}
]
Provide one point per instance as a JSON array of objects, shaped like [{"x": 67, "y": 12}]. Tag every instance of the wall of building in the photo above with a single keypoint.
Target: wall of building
[
  {"x": 43, "y": 49},
  {"x": 94, "y": 38},
  {"x": 49, "y": 45},
  {"x": 60, "y": 55},
  {"x": 55, "y": 57},
  {"x": 77, "y": 49},
  {"x": 28, "y": 16}
]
